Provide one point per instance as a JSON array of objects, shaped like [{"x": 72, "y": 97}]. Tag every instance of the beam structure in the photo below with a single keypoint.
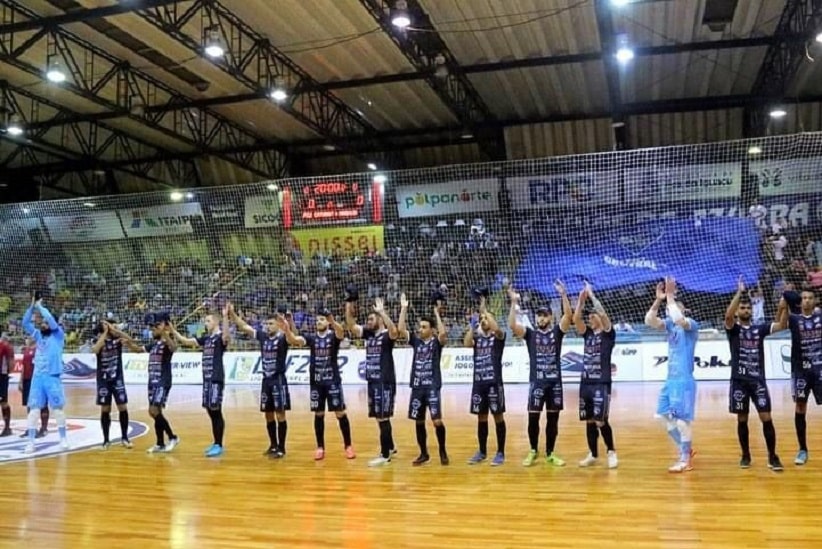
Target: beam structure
[
  {"x": 80, "y": 15},
  {"x": 608, "y": 43}
]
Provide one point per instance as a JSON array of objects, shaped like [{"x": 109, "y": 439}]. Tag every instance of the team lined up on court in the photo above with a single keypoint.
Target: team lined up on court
[{"x": 487, "y": 339}]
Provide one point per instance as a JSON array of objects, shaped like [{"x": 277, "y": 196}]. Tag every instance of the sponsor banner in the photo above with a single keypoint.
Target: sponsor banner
[
  {"x": 186, "y": 368},
  {"x": 14, "y": 232},
  {"x": 225, "y": 214},
  {"x": 797, "y": 176},
  {"x": 83, "y": 227},
  {"x": 161, "y": 220},
  {"x": 458, "y": 197},
  {"x": 795, "y": 210},
  {"x": 83, "y": 434},
  {"x": 350, "y": 240},
  {"x": 678, "y": 183},
  {"x": 565, "y": 190},
  {"x": 262, "y": 211}
]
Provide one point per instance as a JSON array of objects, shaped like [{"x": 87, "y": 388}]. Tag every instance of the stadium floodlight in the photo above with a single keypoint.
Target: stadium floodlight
[
  {"x": 189, "y": 196},
  {"x": 272, "y": 187},
  {"x": 176, "y": 196},
  {"x": 754, "y": 150},
  {"x": 14, "y": 127},
  {"x": 278, "y": 92},
  {"x": 777, "y": 113},
  {"x": 380, "y": 178},
  {"x": 819, "y": 37},
  {"x": 620, "y": 3},
  {"x": 214, "y": 44},
  {"x": 55, "y": 72},
  {"x": 89, "y": 204},
  {"x": 372, "y": 166},
  {"x": 399, "y": 15},
  {"x": 624, "y": 52}
]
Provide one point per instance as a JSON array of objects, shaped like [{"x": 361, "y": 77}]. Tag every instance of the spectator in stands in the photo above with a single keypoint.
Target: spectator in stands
[
  {"x": 757, "y": 212},
  {"x": 624, "y": 327}
]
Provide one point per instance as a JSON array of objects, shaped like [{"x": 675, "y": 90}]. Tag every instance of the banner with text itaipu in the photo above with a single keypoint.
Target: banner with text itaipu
[{"x": 629, "y": 362}]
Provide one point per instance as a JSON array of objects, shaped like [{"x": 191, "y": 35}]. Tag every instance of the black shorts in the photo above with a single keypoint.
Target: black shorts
[
  {"x": 805, "y": 382},
  {"x": 330, "y": 396},
  {"x": 106, "y": 388},
  {"x": 423, "y": 398},
  {"x": 4, "y": 388},
  {"x": 742, "y": 392},
  {"x": 26, "y": 390},
  {"x": 594, "y": 401},
  {"x": 212, "y": 395},
  {"x": 487, "y": 398},
  {"x": 545, "y": 395},
  {"x": 158, "y": 395},
  {"x": 274, "y": 395},
  {"x": 381, "y": 398}
]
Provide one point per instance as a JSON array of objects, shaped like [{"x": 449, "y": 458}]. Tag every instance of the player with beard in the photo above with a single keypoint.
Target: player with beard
[
  {"x": 488, "y": 391},
  {"x": 379, "y": 334},
  {"x": 595, "y": 380},
  {"x": 747, "y": 342},
  {"x": 275, "y": 399},
  {"x": 806, "y": 364},
  {"x": 426, "y": 377},
  {"x": 214, "y": 344},
  {"x": 110, "y": 380},
  {"x": 545, "y": 354},
  {"x": 325, "y": 382}
]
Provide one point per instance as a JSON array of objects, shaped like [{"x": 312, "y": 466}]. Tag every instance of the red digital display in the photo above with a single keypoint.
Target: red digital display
[{"x": 327, "y": 202}]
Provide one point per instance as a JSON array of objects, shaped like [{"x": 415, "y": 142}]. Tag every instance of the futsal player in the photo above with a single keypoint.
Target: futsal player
[
  {"x": 595, "y": 380},
  {"x": 24, "y": 386},
  {"x": 806, "y": 365},
  {"x": 325, "y": 383},
  {"x": 677, "y": 400},
  {"x": 6, "y": 366},
  {"x": 487, "y": 391},
  {"x": 426, "y": 378},
  {"x": 160, "y": 353},
  {"x": 275, "y": 399},
  {"x": 110, "y": 381},
  {"x": 545, "y": 356},
  {"x": 213, "y": 343},
  {"x": 46, "y": 382},
  {"x": 379, "y": 334},
  {"x": 747, "y": 342}
]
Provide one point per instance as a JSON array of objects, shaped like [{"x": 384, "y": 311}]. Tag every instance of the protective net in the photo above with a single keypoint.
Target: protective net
[{"x": 704, "y": 214}]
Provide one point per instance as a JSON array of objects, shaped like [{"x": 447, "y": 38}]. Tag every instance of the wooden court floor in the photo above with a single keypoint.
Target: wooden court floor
[{"x": 126, "y": 498}]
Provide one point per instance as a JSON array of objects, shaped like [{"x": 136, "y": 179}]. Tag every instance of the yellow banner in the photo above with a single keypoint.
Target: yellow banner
[{"x": 347, "y": 241}]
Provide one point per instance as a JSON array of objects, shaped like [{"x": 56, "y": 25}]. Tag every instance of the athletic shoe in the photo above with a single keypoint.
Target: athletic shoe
[
  {"x": 270, "y": 450},
  {"x": 801, "y": 457},
  {"x": 126, "y": 443},
  {"x": 588, "y": 461},
  {"x": 215, "y": 451},
  {"x": 6, "y": 432},
  {"x": 29, "y": 449},
  {"x": 156, "y": 449},
  {"x": 745, "y": 462},
  {"x": 530, "y": 458},
  {"x": 613, "y": 462},
  {"x": 64, "y": 445},
  {"x": 319, "y": 454},
  {"x": 421, "y": 460},
  {"x": 379, "y": 461},
  {"x": 106, "y": 445},
  {"x": 41, "y": 433},
  {"x": 349, "y": 452},
  {"x": 444, "y": 459},
  {"x": 498, "y": 460},
  {"x": 477, "y": 458},
  {"x": 173, "y": 442},
  {"x": 554, "y": 460},
  {"x": 277, "y": 454},
  {"x": 774, "y": 464},
  {"x": 680, "y": 467},
  {"x": 207, "y": 450}
]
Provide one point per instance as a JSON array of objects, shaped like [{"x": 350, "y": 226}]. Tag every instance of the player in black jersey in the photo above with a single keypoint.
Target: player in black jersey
[
  {"x": 806, "y": 365},
  {"x": 488, "y": 391},
  {"x": 545, "y": 355},
  {"x": 426, "y": 377},
  {"x": 748, "y": 383},
  {"x": 214, "y": 344},
  {"x": 159, "y": 377},
  {"x": 110, "y": 379},
  {"x": 595, "y": 380},
  {"x": 275, "y": 399},
  {"x": 379, "y": 334},
  {"x": 325, "y": 382}
]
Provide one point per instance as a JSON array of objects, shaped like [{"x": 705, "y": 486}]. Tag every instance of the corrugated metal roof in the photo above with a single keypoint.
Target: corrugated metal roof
[
  {"x": 560, "y": 138},
  {"x": 657, "y": 130}
]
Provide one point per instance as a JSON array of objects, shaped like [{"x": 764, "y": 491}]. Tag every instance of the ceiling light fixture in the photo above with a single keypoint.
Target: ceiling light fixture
[
  {"x": 399, "y": 15},
  {"x": 214, "y": 44}
]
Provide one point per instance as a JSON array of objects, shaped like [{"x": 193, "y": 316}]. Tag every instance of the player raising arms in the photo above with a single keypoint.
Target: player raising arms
[
  {"x": 159, "y": 378},
  {"x": 677, "y": 399},
  {"x": 325, "y": 382},
  {"x": 46, "y": 383},
  {"x": 544, "y": 352},
  {"x": 379, "y": 334},
  {"x": 747, "y": 343},
  {"x": 806, "y": 364},
  {"x": 110, "y": 380},
  {"x": 595, "y": 381},
  {"x": 24, "y": 386},
  {"x": 275, "y": 399},
  {"x": 426, "y": 377},
  {"x": 214, "y": 344},
  {"x": 488, "y": 391}
]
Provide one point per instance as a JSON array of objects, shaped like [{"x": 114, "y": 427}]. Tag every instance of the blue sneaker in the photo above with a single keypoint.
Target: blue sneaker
[
  {"x": 215, "y": 451},
  {"x": 498, "y": 460},
  {"x": 209, "y": 449},
  {"x": 477, "y": 458},
  {"x": 801, "y": 457}
]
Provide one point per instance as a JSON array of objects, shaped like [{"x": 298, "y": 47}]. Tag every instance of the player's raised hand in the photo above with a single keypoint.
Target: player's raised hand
[
  {"x": 740, "y": 285},
  {"x": 660, "y": 291},
  {"x": 403, "y": 301},
  {"x": 670, "y": 286},
  {"x": 379, "y": 305},
  {"x": 513, "y": 295},
  {"x": 559, "y": 286},
  {"x": 583, "y": 294},
  {"x": 589, "y": 289}
]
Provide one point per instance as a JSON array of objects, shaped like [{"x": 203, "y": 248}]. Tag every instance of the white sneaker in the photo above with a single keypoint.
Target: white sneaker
[
  {"x": 680, "y": 467},
  {"x": 156, "y": 449},
  {"x": 29, "y": 449},
  {"x": 613, "y": 462},
  {"x": 64, "y": 445},
  {"x": 379, "y": 461},
  {"x": 172, "y": 444},
  {"x": 588, "y": 461},
  {"x": 126, "y": 443}
]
